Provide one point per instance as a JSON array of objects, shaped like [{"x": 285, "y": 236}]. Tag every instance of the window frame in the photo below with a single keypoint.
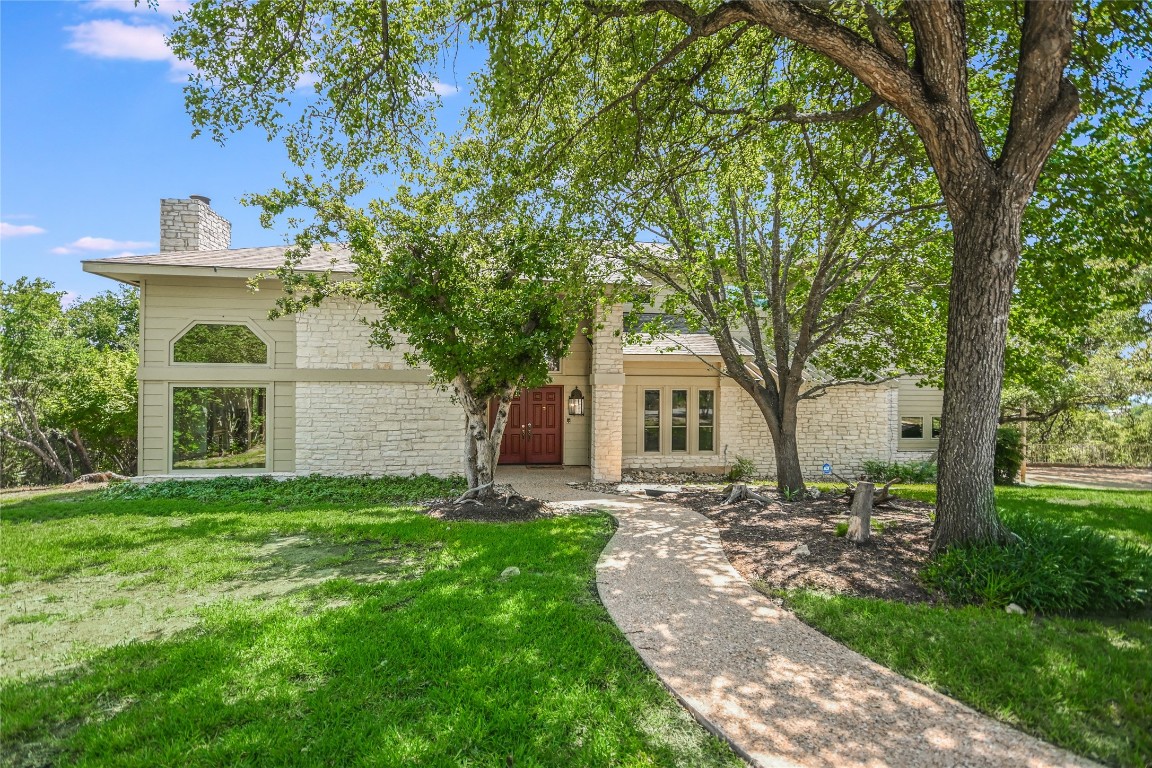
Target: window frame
[
  {"x": 248, "y": 323},
  {"x": 693, "y": 420},
  {"x": 269, "y": 426}
]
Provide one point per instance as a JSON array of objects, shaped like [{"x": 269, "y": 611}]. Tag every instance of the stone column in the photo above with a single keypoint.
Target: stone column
[{"x": 607, "y": 383}]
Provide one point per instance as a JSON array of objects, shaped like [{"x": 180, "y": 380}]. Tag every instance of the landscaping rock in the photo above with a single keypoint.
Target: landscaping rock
[
  {"x": 802, "y": 550},
  {"x": 1015, "y": 609},
  {"x": 509, "y": 572}
]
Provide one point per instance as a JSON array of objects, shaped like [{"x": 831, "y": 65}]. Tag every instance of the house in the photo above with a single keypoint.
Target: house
[{"x": 223, "y": 389}]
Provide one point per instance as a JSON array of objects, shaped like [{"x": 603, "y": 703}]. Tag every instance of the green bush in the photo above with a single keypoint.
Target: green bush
[
  {"x": 1055, "y": 567},
  {"x": 741, "y": 470},
  {"x": 910, "y": 471},
  {"x": 1009, "y": 455},
  {"x": 313, "y": 489}
]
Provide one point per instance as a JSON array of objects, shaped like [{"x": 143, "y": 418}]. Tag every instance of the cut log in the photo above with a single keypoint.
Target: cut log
[
  {"x": 738, "y": 492},
  {"x": 880, "y": 497},
  {"x": 860, "y": 520},
  {"x": 100, "y": 477}
]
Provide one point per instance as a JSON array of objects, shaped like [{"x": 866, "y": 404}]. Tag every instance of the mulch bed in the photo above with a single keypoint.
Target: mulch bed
[{"x": 760, "y": 539}]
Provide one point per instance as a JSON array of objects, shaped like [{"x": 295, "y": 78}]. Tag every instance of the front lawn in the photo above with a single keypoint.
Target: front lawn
[
  {"x": 325, "y": 624},
  {"x": 1082, "y": 683}
]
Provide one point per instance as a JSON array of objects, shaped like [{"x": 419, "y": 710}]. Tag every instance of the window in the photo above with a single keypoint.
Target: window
[
  {"x": 652, "y": 420},
  {"x": 911, "y": 427},
  {"x": 219, "y": 427},
  {"x": 680, "y": 420},
  {"x": 220, "y": 344},
  {"x": 936, "y": 427},
  {"x": 553, "y": 363},
  {"x": 706, "y": 421}
]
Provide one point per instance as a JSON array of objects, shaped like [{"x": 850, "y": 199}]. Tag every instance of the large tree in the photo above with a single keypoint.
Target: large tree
[
  {"x": 67, "y": 383},
  {"x": 988, "y": 89},
  {"x": 810, "y": 270},
  {"x": 483, "y": 296}
]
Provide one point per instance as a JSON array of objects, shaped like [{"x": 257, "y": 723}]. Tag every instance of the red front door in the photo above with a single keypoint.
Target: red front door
[{"x": 535, "y": 427}]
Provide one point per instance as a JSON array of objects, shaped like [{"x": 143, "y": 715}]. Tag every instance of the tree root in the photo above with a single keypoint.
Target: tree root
[{"x": 472, "y": 493}]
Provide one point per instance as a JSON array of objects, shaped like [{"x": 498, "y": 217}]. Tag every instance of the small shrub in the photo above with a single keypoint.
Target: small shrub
[
  {"x": 1056, "y": 567},
  {"x": 313, "y": 489},
  {"x": 742, "y": 469},
  {"x": 1009, "y": 455},
  {"x": 841, "y": 529},
  {"x": 909, "y": 471}
]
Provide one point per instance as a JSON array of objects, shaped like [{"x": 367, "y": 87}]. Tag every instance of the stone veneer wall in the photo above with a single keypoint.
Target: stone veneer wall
[
  {"x": 367, "y": 427},
  {"x": 335, "y": 336},
  {"x": 608, "y": 398},
  {"x": 192, "y": 225},
  {"x": 377, "y": 428},
  {"x": 846, "y": 427}
]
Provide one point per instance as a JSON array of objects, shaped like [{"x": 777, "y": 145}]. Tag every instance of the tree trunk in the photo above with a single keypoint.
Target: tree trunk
[
  {"x": 789, "y": 475},
  {"x": 987, "y": 249},
  {"x": 481, "y": 442}
]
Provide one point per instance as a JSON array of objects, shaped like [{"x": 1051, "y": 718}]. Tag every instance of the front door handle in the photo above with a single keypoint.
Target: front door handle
[{"x": 529, "y": 431}]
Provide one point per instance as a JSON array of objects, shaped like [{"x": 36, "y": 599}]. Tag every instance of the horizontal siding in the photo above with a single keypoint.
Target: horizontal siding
[
  {"x": 174, "y": 304},
  {"x": 925, "y": 402}
]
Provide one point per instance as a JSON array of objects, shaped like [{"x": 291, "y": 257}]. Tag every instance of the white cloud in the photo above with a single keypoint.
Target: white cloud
[
  {"x": 19, "y": 230},
  {"x": 444, "y": 89},
  {"x": 114, "y": 39},
  {"x": 110, "y": 39},
  {"x": 166, "y": 7},
  {"x": 100, "y": 244}
]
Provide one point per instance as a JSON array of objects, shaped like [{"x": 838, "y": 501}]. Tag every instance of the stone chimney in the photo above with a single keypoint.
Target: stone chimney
[{"x": 192, "y": 225}]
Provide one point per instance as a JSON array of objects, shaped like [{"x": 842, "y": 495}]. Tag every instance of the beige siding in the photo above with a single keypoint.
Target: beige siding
[
  {"x": 924, "y": 403},
  {"x": 169, "y": 306},
  {"x": 573, "y": 373}
]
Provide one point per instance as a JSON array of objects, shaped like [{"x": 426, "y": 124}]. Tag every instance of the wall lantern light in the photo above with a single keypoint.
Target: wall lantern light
[{"x": 576, "y": 402}]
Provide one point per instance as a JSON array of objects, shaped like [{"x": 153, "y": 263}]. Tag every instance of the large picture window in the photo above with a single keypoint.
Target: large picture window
[
  {"x": 219, "y": 427},
  {"x": 220, "y": 344}
]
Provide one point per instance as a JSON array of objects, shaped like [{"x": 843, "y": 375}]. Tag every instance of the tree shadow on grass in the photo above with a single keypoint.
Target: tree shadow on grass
[{"x": 454, "y": 666}]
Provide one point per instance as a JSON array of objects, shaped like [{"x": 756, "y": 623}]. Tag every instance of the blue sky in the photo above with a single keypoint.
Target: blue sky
[{"x": 93, "y": 133}]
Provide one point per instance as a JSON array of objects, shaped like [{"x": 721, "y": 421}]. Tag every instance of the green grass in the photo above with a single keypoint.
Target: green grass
[
  {"x": 443, "y": 664},
  {"x": 1082, "y": 683}
]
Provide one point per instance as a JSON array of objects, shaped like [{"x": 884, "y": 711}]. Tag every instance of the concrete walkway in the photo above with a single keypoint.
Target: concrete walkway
[{"x": 780, "y": 692}]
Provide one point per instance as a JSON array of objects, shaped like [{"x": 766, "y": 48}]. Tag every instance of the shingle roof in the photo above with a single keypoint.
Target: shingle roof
[
  {"x": 336, "y": 258},
  {"x": 675, "y": 344}
]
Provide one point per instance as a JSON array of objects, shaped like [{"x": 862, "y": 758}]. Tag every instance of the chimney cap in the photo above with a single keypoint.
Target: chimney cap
[{"x": 202, "y": 198}]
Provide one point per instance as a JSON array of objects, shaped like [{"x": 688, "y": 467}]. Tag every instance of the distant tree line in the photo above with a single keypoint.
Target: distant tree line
[{"x": 68, "y": 387}]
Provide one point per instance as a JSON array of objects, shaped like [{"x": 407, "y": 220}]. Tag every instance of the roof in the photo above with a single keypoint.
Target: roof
[
  {"x": 334, "y": 257},
  {"x": 241, "y": 261},
  {"x": 675, "y": 344}
]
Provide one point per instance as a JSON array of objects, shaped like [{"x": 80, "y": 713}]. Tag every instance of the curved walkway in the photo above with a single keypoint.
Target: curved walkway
[{"x": 782, "y": 693}]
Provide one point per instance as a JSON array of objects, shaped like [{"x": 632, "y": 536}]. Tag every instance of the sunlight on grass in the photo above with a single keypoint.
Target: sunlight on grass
[
  {"x": 441, "y": 663},
  {"x": 1082, "y": 683}
]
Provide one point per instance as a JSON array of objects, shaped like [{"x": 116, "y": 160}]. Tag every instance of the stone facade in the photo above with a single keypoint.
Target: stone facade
[
  {"x": 607, "y": 382},
  {"x": 192, "y": 225},
  {"x": 844, "y": 428},
  {"x": 387, "y": 428},
  {"x": 336, "y": 336}
]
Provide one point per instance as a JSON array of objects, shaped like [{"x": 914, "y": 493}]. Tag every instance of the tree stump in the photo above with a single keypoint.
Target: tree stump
[
  {"x": 740, "y": 492},
  {"x": 860, "y": 522}
]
